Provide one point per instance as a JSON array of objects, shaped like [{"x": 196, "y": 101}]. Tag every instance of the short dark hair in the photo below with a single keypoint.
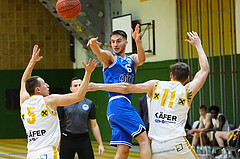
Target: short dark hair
[
  {"x": 119, "y": 32},
  {"x": 180, "y": 71},
  {"x": 203, "y": 107},
  {"x": 31, "y": 84},
  {"x": 74, "y": 78},
  {"x": 214, "y": 107}
]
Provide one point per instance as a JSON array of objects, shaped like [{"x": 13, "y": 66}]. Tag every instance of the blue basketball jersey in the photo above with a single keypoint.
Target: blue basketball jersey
[{"x": 121, "y": 71}]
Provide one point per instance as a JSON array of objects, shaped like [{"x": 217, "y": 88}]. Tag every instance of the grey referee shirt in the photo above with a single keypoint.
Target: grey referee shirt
[{"x": 74, "y": 118}]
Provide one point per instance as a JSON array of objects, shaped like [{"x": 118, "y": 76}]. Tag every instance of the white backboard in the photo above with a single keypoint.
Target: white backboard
[{"x": 124, "y": 23}]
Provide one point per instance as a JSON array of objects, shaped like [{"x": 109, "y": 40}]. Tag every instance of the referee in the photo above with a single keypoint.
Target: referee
[{"x": 74, "y": 123}]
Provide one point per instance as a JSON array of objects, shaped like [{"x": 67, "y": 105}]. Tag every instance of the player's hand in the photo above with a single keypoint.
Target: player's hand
[
  {"x": 35, "y": 54},
  {"x": 93, "y": 41},
  {"x": 90, "y": 66},
  {"x": 91, "y": 87},
  {"x": 136, "y": 34},
  {"x": 205, "y": 130},
  {"x": 191, "y": 131},
  {"x": 100, "y": 150},
  {"x": 194, "y": 39}
]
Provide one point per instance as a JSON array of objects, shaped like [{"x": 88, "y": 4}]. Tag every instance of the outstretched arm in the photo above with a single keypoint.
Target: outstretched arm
[
  {"x": 138, "y": 58},
  {"x": 27, "y": 73},
  {"x": 125, "y": 88},
  {"x": 55, "y": 100},
  {"x": 201, "y": 76},
  {"x": 104, "y": 56}
]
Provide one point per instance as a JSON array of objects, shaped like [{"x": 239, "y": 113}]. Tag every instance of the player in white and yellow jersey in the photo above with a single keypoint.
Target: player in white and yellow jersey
[
  {"x": 42, "y": 127},
  {"x": 218, "y": 122},
  {"x": 38, "y": 109},
  {"x": 169, "y": 105},
  {"x": 204, "y": 123}
]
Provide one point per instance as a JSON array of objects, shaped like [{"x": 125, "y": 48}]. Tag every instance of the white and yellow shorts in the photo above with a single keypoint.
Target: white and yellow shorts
[
  {"x": 45, "y": 153},
  {"x": 210, "y": 135},
  {"x": 178, "y": 148}
]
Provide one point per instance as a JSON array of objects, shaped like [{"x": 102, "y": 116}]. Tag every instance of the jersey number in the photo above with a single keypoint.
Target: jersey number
[
  {"x": 165, "y": 94},
  {"x": 129, "y": 69},
  {"x": 32, "y": 115}
]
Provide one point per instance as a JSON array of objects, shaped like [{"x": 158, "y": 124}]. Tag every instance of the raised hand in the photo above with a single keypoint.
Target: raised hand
[
  {"x": 194, "y": 39},
  {"x": 94, "y": 42},
  {"x": 136, "y": 34},
  {"x": 35, "y": 54},
  {"x": 90, "y": 66}
]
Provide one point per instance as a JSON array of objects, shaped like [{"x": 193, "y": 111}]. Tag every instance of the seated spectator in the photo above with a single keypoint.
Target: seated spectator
[
  {"x": 219, "y": 123},
  {"x": 222, "y": 136},
  {"x": 204, "y": 123}
]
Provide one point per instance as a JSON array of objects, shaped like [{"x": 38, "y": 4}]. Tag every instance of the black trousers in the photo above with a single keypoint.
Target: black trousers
[{"x": 80, "y": 144}]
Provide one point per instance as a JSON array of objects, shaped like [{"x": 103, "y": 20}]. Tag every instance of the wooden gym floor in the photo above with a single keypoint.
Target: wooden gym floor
[{"x": 17, "y": 149}]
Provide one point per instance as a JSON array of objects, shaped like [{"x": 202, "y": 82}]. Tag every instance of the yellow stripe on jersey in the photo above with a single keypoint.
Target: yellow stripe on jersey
[
  {"x": 154, "y": 91},
  {"x": 175, "y": 81},
  {"x": 190, "y": 147},
  {"x": 32, "y": 99},
  {"x": 54, "y": 152},
  {"x": 35, "y": 95},
  {"x": 22, "y": 115},
  {"x": 50, "y": 110}
]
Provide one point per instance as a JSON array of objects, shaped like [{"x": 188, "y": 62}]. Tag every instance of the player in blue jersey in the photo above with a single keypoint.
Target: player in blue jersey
[
  {"x": 170, "y": 103},
  {"x": 122, "y": 116}
]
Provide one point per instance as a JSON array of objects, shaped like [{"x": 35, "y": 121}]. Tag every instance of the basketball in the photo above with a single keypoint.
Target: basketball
[{"x": 68, "y": 9}]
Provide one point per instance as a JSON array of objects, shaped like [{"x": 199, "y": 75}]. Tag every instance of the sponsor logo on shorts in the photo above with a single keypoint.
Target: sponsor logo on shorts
[
  {"x": 169, "y": 150},
  {"x": 43, "y": 156},
  {"x": 179, "y": 147}
]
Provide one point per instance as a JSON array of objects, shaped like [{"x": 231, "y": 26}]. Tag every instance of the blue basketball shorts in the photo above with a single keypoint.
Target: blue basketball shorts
[{"x": 124, "y": 121}]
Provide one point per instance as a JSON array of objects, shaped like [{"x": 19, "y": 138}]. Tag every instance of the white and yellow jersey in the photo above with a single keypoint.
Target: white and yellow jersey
[
  {"x": 41, "y": 124},
  {"x": 168, "y": 111},
  {"x": 204, "y": 119},
  {"x": 216, "y": 122}
]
